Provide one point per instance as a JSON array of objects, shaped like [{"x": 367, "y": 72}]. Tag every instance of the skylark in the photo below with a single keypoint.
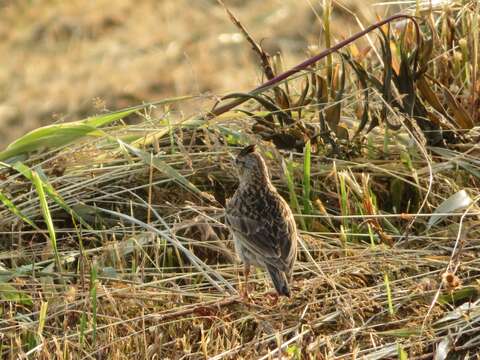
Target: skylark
[{"x": 261, "y": 222}]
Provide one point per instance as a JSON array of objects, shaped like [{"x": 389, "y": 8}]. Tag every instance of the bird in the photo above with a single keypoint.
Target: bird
[{"x": 261, "y": 222}]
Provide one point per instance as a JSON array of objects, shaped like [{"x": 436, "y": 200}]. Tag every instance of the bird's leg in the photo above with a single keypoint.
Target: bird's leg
[
  {"x": 273, "y": 298},
  {"x": 246, "y": 272}
]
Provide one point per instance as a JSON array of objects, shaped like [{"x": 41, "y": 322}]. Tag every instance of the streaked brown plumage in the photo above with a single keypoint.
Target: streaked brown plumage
[{"x": 261, "y": 222}]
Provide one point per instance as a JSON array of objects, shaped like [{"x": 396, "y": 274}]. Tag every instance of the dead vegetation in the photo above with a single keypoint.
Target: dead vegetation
[
  {"x": 113, "y": 242},
  {"x": 65, "y": 61}
]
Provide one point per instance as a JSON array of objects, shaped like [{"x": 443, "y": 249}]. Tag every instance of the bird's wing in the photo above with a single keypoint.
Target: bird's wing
[{"x": 269, "y": 238}]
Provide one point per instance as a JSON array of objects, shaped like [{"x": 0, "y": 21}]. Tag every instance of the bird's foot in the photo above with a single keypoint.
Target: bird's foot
[{"x": 272, "y": 298}]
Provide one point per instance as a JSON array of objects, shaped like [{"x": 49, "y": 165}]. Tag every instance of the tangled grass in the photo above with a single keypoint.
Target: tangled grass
[{"x": 113, "y": 242}]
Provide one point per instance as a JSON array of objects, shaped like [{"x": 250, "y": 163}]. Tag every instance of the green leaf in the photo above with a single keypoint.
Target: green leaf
[
  {"x": 48, "y": 137},
  {"x": 42, "y": 318},
  {"x": 402, "y": 354},
  {"x": 93, "y": 299},
  {"x": 307, "y": 205},
  {"x": 57, "y": 135},
  {"x": 460, "y": 294},
  {"x": 386, "y": 280},
  {"x": 9, "y": 293},
  {"x": 294, "y": 352},
  {"x": 39, "y": 187},
  {"x": 402, "y": 332},
  {"x": 50, "y": 191},
  {"x": 11, "y": 206},
  {"x": 288, "y": 171}
]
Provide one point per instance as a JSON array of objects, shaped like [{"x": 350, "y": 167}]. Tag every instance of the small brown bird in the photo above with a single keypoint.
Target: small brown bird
[{"x": 262, "y": 224}]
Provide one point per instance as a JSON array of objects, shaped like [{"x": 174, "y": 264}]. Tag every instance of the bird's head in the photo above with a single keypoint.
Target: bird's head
[{"x": 251, "y": 166}]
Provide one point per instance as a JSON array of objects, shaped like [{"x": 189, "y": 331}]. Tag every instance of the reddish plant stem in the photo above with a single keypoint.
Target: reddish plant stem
[{"x": 216, "y": 111}]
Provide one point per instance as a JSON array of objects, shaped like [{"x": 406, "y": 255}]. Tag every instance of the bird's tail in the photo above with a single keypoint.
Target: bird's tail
[{"x": 279, "y": 281}]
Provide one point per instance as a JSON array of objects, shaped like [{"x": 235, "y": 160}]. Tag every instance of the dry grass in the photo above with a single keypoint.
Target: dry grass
[
  {"x": 146, "y": 267},
  {"x": 69, "y": 59}
]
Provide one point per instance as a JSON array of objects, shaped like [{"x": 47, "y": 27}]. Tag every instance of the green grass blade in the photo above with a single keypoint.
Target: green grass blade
[
  {"x": 391, "y": 310},
  {"x": 57, "y": 135},
  {"x": 93, "y": 300},
  {"x": 50, "y": 191},
  {"x": 39, "y": 187},
  {"x": 83, "y": 327},
  {"x": 42, "y": 318},
  {"x": 11, "y": 206},
  {"x": 48, "y": 137},
  {"x": 9, "y": 293},
  {"x": 307, "y": 204},
  {"x": 288, "y": 171},
  {"x": 402, "y": 354},
  {"x": 344, "y": 201}
]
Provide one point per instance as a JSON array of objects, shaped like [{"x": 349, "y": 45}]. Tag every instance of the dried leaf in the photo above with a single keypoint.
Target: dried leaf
[
  {"x": 459, "y": 312},
  {"x": 461, "y": 116},
  {"x": 362, "y": 77},
  {"x": 443, "y": 348},
  {"x": 455, "y": 202},
  {"x": 282, "y": 116},
  {"x": 429, "y": 95},
  {"x": 302, "y": 99}
]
